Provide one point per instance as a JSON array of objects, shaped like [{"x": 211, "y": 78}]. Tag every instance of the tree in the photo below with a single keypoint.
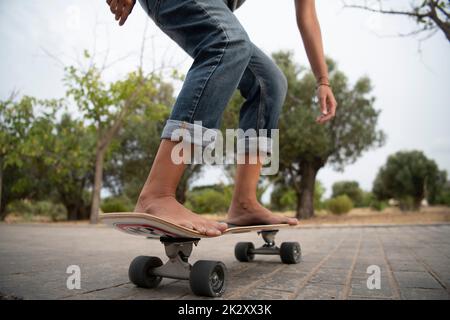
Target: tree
[
  {"x": 283, "y": 197},
  {"x": 16, "y": 120},
  {"x": 431, "y": 15},
  {"x": 443, "y": 197},
  {"x": 106, "y": 107},
  {"x": 305, "y": 146},
  {"x": 67, "y": 161},
  {"x": 409, "y": 177},
  {"x": 135, "y": 147},
  {"x": 45, "y": 159},
  {"x": 350, "y": 189}
]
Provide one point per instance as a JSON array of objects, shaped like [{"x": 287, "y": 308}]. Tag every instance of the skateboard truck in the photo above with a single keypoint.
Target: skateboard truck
[
  {"x": 207, "y": 278},
  {"x": 289, "y": 252}
]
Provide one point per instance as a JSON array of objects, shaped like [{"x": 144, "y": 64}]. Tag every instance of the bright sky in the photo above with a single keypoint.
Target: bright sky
[{"x": 411, "y": 85}]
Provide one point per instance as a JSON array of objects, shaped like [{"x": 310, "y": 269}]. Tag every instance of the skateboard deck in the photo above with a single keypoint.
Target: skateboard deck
[{"x": 142, "y": 224}]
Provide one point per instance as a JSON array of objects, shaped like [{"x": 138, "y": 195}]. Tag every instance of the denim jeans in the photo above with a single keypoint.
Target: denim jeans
[{"x": 224, "y": 60}]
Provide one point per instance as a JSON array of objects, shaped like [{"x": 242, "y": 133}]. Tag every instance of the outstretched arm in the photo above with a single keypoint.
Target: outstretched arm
[
  {"x": 121, "y": 9},
  {"x": 309, "y": 27}
]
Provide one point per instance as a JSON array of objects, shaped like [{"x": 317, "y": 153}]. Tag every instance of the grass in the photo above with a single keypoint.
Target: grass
[
  {"x": 367, "y": 216},
  {"x": 357, "y": 216}
]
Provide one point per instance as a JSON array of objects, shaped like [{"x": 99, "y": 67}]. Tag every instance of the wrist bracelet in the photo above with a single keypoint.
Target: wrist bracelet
[{"x": 322, "y": 84}]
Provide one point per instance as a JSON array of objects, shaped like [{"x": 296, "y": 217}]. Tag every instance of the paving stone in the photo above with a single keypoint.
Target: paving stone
[
  {"x": 284, "y": 281},
  {"x": 424, "y": 294},
  {"x": 410, "y": 279},
  {"x": 320, "y": 292},
  {"x": 406, "y": 265},
  {"x": 264, "y": 294},
  {"x": 330, "y": 276},
  {"x": 34, "y": 259},
  {"x": 359, "y": 288}
]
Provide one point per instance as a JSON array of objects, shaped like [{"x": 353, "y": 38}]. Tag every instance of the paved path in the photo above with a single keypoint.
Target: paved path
[{"x": 414, "y": 263}]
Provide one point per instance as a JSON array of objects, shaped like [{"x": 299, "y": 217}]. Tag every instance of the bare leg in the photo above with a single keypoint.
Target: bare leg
[
  {"x": 158, "y": 194},
  {"x": 245, "y": 208}
]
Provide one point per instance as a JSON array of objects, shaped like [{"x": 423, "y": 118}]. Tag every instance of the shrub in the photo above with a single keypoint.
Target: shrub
[
  {"x": 340, "y": 205},
  {"x": 117, "y": 204},
  {"x": 28, "y": 209},
  {"x": 208, "y": 200},
  {"x": 351, "y": 189},
  {"x": 407, "y": 203},
  {"x": 379, "y": 205}
]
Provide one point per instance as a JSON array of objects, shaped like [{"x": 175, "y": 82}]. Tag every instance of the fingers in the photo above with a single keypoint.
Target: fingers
[
  {"x": 323, "y": 105},
  {"x": 126, "y": 12},
  {"x": 327, "y": 103},
  {"x": 121, "y": 9},
  {"x": 113, "y": 6}
]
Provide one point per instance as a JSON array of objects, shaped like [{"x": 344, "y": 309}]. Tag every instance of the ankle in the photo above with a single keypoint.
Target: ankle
[
  {"x": 149, "y": 195},
  {"x": 243, "y": 202}
]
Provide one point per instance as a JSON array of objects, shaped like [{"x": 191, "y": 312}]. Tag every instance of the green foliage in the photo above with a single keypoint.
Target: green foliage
[
  {"x": 29, "y": 209},
  {"x": 444, "y": 195},
  {"x": 351, "y": 189},
  {"x": 117, "y": 204},
  {"x": 16, "y": 118},
  {"x": 47, "y": 154},
  {"x": 378, "y": 205},
  {"x": 209, "y": 199},
  {"x": 306, "y": 146},
  {"x": 134, "y": 149},
  {"x": 106, "y": 108},
  {"x": 339, "y": 205},
  {"x": 284, "y": 198},
  {"x": 23, "y": 136},
  {"x": 339, "y": 142},
  {"x": 409, "y": 177},
  {"x": 319, "y": 191}
]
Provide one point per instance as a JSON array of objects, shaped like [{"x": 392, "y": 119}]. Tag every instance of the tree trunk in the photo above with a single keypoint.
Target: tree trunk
[
  {"x": 99, "y": 157},
  {"x": 2, "y": 215},
  {"x": 305, "y": 199},
  {"x": 71, "y": 213},
  {"x": 75, "y": 210}
]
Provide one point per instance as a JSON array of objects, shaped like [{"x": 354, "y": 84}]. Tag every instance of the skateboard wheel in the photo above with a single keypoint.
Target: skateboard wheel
[
  {"x": 139, "y": 271},
  {"x": 242, "y": 251},
  {"x": 290, "y": 252},
  {"x": 208, "y": 278}
]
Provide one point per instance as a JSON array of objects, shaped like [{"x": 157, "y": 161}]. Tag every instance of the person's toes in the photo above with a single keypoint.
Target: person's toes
[
  {"x": 292, "y": 221},
  {"x": 187, "y": 224},
  {"x": 221, "y": 226},
  {"x": 211, "y": 232},
  {"x": 200, "y": 228}
]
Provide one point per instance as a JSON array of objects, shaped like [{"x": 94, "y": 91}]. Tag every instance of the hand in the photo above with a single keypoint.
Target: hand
[
  {"x": 327, "y": 103},
  {"x": 121, "y": 8}
]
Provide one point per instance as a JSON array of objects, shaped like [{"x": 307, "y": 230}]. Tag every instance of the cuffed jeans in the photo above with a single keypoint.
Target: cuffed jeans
[{"x": 224, "y": 60}]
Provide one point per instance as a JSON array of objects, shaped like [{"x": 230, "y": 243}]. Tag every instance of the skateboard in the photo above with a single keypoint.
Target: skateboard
[{"x": 206, "y": 278}]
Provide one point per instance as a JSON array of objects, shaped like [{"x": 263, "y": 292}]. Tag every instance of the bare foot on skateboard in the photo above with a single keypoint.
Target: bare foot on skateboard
[
  {"x": 251, "y": 212},
  {"x": 168, "y": 208}
]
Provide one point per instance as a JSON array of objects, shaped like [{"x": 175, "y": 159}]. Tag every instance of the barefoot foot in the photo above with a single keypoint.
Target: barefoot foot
[
  {"x": 244, "y": 213},
  {"x": 168, "y": 208}
]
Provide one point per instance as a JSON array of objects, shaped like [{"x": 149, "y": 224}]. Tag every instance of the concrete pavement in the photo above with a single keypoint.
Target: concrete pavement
[{"x": 414, "y": 263}]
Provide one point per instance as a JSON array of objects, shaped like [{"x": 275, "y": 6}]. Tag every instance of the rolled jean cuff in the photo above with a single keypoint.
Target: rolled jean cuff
[
  {"x": 254, "y": 145},
  {"x": 176, "y": 130}
]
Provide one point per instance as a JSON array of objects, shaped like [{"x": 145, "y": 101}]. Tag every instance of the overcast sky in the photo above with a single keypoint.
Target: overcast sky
[{"x": 411, "y": 86}]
